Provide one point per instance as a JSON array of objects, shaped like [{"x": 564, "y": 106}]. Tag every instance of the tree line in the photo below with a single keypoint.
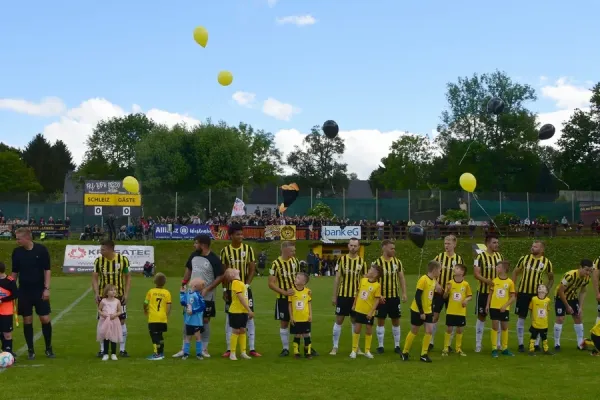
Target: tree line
[{"x": 504, "y": 152}]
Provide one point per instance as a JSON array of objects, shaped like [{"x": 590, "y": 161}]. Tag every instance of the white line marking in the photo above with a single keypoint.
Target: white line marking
[{"x": 60, "y": 316}]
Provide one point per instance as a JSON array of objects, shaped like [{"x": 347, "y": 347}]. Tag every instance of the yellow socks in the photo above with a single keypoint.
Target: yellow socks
[
  {"x": 504, "y": 339},
  {"x": 425, "y": 345},
  {"x": 532, "y": 345},
  {"x": 368, "y": 339},
  {"x": 545, "y": 344},
  {"x": 242, "y": 339},
  {"x": 447, "y": 337},
  {"x": 408, "y": 342},
  {"x": 234, "y": 342},
  {"x": 494, "y": 336},
  {"x": 355, "y": 338},
  {"x": 459, "y": 342}
]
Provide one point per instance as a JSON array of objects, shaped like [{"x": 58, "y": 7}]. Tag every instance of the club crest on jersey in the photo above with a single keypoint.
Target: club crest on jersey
[
  {"x": 453, "y": 263},
  {"x": 506, "y": 286},
  {"x": 370, "y": 288},
  {"x": 243, "y": 254}
]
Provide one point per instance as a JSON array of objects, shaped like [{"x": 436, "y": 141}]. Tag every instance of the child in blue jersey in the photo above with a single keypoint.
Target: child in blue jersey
[{"x": 194, "y": 305}]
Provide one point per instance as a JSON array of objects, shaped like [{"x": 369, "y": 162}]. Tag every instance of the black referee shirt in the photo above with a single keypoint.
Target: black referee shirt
[{"x": 31, "y": 265}]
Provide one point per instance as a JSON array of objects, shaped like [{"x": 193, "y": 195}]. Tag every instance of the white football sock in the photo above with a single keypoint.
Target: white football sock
[
  {"x": 285, "y": 339},
  {"x": 520, "y": 330},
  {"x": 124, "y": 341},
  {"x": 228, "y": 331},
  {"x": 206, "y": 337},
  {"x": 250, "y": 328},
  {"x": 396, "y": 335},
  {"x": 579, "y": 333},
  {"x": 380, "y": 330},
  {"x": 434, "y": 330},
  {"x": 337, "y": 331},
  {"x": 557, "y": 333},
  {"x": 479, "y": 332}
]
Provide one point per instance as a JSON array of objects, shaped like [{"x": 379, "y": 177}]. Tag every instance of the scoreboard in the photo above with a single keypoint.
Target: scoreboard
[{"x": 102, "y": 198}]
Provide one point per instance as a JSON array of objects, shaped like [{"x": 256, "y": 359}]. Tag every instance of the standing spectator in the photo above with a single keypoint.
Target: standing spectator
[{"x": 31, "y": 265}]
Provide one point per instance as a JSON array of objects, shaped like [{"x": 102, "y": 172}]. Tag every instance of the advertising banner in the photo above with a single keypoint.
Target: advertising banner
[
  {"x": 80, "y": 258},
  {"x": 181, "y": 232},
  {"x": 283, "y": 232},
  {"x": 339, "y": 233}
]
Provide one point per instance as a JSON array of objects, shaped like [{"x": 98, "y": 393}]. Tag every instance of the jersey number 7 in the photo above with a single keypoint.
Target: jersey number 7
[{"x": 159, "y": 301}]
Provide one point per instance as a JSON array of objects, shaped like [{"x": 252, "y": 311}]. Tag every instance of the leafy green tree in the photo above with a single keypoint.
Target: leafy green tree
[
  {"x": 50, "y": 162},
  {"x": 4, "y": 147},
  {"x": 320, "y": 210},
  {"x": 577, "y": 162},
  {"x": 114, "y": 140},
  {"x": 15, "y": 175},
  {"x": 407, "y": 166},
  {"x": 266, "y": 162},
  {"x": 503, "y": 154},
  {"x": 317, "y": 163}
]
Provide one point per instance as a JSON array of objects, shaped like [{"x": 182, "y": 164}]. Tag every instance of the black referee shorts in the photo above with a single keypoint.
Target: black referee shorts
[{"x": 28, "y": 301}]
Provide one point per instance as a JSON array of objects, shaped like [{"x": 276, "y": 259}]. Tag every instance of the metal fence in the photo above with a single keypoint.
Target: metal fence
[{"x": 393, "y": 205}]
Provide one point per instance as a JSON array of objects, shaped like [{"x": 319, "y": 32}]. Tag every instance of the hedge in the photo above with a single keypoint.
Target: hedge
[{"x": 170, "y": 256}]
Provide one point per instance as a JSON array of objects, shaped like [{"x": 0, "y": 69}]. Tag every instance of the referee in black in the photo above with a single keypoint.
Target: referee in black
[{"x": 31, "y": 265}]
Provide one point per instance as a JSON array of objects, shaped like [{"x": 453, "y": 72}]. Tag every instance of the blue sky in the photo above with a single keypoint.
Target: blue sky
[{"x": 379, "y": 68}]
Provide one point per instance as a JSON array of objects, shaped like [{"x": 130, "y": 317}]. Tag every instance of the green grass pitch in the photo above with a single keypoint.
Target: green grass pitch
[{"x": 76, "y": 373}]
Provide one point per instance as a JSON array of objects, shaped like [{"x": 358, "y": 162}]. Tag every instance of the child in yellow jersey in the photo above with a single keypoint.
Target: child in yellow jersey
[
  {"x": 157, "y": 306},
  {"x": 539, "y": 306},
  {"x": 239, "y": 313},
  {"x": 300, "y": 307},
  {"x": 364, "y": 307},
  {"x": 503, "y": 294},
  {"x": 421, "y": 311},
  {"x": 458, "y": 294},
  {"x": 595, "y": 339}
]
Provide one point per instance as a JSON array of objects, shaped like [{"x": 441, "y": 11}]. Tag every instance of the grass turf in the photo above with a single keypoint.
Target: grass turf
[{"x": 77, "y": 373}]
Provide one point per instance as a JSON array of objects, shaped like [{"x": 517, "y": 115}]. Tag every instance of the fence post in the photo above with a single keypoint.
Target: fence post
[
  {"x": 500, "y": 197},
  {"x": 344, "y": 203},
  {"x": 468, "y": 205},
  {"x": 409, "y": 204},
  {"x": 27, "y": 207},
  {"x": 65, "y": 207},
  {"x": 209, "y": 201},
  {"x": 572, "y": 207},
  {"x": 376, "y": 204},
  {"x": 528, "y": 217},
  {"x": 440, "y": 202},
  {"x": 277, "y": 196},
  {"x": 242, "y": 192},
  {"x": 176, "y": 194},
  {"x": 311, "y": 197}
]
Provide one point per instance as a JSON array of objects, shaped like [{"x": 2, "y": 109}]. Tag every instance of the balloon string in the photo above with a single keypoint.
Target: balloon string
[
  {"x": 486, "y": 213},
  {"x": 421, "y": 261},
  {"x": 466, "y": 152},
  {"x": 554, "y": 175}
]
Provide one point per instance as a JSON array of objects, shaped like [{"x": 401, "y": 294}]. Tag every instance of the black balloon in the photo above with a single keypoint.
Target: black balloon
[
  {"x": 546, "y": 132},
  {"x": 331, "y": 129},
  {"x": 416, "y": 234},
  {"x": 495, "y": 106}
]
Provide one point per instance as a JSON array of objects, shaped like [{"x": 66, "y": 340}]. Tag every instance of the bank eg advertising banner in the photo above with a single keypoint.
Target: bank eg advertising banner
[
  {"x": 181, "y": 232},
  {"x": 80, "y": 258},
  {"x": 339, "y": 233}
]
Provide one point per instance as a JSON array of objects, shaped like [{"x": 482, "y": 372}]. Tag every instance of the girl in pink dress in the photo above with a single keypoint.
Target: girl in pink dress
[{"x": 109, "y": 326}]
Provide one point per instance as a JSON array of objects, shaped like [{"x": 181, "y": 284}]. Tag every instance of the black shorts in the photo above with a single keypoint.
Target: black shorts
[
  {"x": 535, "y": 332},
  {"x": 596, "y": 340},
  {"x": 481, "y": 303},
  {"x": 190, "y": 330},
  {"x": 300, "y": 328},
  {"x": 415, "y": 318},
  {"x": 522, "y": 305},
  {"x": 392, "y": 308},
  {"x": 210, "y": 310},
  {"x": 282, "y": 310},
  {"x": 561, "y": 310},
  {"x": 343, "y": 306},
  {"x": 497, "y": 315},
  {"x": 238, "y": 320},
  {"x": 456, "y": 320},
  {"x": 361, "y": 318},
  {"x": 157, "y": 327},
  {"x": 28, "y": 301},
  {"x": 6, "y": 323},
  {"x": 439, "y": 303},
  {"x": 599, "y": 306},
  {"x": 250, "y": 300}
]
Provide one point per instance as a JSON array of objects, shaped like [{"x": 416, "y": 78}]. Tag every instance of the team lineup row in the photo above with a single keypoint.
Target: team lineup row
[{"x": 355, "y": 295}]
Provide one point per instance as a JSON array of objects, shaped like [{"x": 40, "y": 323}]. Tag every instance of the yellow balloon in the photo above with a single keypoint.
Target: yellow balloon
[
  {"x": 225, "y": 78},
  {"x": 468, "y": 182},
  {"x": 201, "y": 36},
  {"x": 131, "y": 184}
]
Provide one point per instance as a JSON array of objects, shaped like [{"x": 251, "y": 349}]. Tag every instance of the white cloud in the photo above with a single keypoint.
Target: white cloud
[
  {"x": 75, "y": 125},
  {"x": 272, "y": 3},
  {"x": 281, "y": 111},
  {"x": 567, "y": 97},
  {"x": 364, "y": 147},
  {"x": 48, "y": 107},
  {"x": 298, "y": 20},
  {"x": 244, "y": 99}
]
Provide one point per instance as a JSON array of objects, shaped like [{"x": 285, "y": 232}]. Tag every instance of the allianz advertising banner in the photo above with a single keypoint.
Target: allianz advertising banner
[
  {"x": 181, "y": 232},
  {"x": 339, "y": 233}
]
